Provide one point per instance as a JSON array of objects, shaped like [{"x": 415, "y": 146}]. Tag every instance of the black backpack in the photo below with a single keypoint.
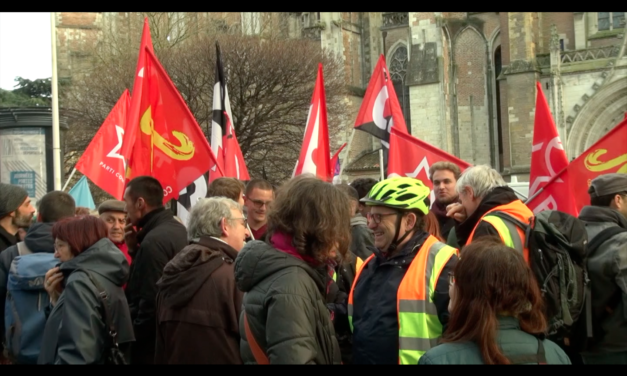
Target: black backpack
[
  {"x": 557, "y": 256},
  {"x": 595, "y": 245}
]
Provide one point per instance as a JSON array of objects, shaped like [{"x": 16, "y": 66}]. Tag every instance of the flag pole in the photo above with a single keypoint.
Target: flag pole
[
  {"x": 348, "y": 150},
  {"x": 381, "y": 164},
  {"x": 68, "y": 179},
  {"x": 56, "y": 143}
]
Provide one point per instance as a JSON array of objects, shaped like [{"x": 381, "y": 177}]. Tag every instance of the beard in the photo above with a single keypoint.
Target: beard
[
  {"x": 22, "y": 221},
  {"x": 447, "y": 201}
]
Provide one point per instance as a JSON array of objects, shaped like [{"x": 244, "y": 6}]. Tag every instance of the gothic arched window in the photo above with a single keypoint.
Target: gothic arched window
[{"x": 398, "y": 73}]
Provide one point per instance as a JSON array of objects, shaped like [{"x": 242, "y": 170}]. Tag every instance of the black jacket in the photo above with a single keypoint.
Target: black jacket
[
  {"x": 497, "y": 197},
  {"x": 337, "y": 301},
  {"x": 37, "y": 239},
  {"x": 285, "y": 304},
  {"x": 375, "y": 315},
  {"x": 6, "y": 239},
  {"x": 607, "y": 268},
  {"x": 76, "y": 330},
  {"x": 160, "y": 237}
]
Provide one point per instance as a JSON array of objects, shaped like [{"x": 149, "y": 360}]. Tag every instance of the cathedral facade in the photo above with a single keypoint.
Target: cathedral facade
[{"x": 466, "y": 81}]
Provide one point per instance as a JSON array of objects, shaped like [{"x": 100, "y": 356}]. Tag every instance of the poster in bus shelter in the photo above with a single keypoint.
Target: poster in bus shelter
[{"x": 23, "y": 160}]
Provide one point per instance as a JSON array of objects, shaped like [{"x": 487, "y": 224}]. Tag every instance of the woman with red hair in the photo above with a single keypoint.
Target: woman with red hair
[
  {"x": 86, "y": 295},
  {"x": 496, "y": 311}
]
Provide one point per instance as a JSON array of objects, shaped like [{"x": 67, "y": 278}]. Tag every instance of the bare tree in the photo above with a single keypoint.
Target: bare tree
[{"x": 270, "y": 84}]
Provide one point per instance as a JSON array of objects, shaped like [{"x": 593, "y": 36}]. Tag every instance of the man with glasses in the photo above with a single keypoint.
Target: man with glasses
[
  {"x": 259, "y": 195},
  {"x": 398, "y": 305},
  {"x": 198, "y": 303}
]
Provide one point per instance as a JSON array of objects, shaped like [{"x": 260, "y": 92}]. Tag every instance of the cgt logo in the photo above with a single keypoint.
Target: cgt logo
[
  {"x": 593, "y": 163},
  {"x": 167, "y": 190},
  {"x": 182, "y": 152}
]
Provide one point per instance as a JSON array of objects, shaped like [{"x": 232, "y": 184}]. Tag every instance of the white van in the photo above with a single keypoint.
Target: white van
[{"x": 521, "y": 188}]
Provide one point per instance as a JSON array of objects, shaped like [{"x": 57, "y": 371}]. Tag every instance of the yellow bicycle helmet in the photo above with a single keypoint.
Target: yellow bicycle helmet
[{"x": 402, "y": 193}]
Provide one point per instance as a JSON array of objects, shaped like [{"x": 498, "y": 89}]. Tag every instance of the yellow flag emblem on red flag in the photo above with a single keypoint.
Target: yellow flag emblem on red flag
[{"x": 170, "y": 146}]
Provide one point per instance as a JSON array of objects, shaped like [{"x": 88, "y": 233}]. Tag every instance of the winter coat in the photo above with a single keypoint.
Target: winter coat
[
  {"x": 198, "y": 306},
  {"x": 76, "y": 330},
  {"x": 375, "y": 313},
  {"x": 6, "y": 239},
  {"x": 160, "y": 238},
  {"x": 38, "y": 239},
  {"x": 285, "y": 307},
  {"x": 512, "y": 341},
  {"x": 607, "y": 268}
]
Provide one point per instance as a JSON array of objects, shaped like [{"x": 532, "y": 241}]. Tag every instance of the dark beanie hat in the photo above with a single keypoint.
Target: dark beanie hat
[{"x": 11, "y": 197}]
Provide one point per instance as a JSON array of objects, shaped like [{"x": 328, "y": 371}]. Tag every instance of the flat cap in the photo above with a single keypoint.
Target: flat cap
[
  {"x": 112, "y": 205},
  {"x": 608, "y": 184}
]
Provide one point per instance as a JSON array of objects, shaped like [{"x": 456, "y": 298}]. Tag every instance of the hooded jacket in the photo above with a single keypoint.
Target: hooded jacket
[
  {"x": 76, "y": 331},
  {"x": 38, "y": 239},
  {"x": 607, "y": 268},
  {"x": 198, "y": 306},
  {"x": 286, "y": 308}
]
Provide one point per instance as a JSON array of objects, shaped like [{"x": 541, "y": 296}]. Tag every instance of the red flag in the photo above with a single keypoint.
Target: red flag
[
  {"x": 412, "y": 157},
  {"x": 223, "y": 141},
  {"x": 134, "y": 111},
  {"x": 314, "y": 155},
  {"x": 380, "y": 110},
  {"x": 335, "y": 161},
  {"x": 170, "y": 145},
  {"x": 606, "y": 156},
  {"x": 547, "y": 159},
  {"x": 102, "y": 162}
]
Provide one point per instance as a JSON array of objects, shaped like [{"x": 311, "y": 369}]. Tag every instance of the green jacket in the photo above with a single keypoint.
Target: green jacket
[
  {"x": 511, "y": 339},
  {"x": 285, "y": 302},
  {"x": 452, "y": 239}
]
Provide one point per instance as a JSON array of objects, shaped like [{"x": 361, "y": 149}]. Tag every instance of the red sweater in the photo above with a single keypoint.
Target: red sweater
[{"x": 122, "y": 247}]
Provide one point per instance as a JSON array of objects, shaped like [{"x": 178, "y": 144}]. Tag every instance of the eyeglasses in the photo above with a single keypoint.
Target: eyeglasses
[
  {"x": 259, "y": 203},
  {"x": 245, "y": 223},
  {"x": 376, "y": 217},
  {"x": 451, "y": 279}
]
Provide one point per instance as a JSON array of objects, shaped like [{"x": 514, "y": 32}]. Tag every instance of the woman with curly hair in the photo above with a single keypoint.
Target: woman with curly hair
[
  {"x": 496, "y": 311},
  {"x": 286, "y": 278}
]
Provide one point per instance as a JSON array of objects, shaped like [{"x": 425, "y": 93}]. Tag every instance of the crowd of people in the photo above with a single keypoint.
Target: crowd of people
[{"x": 370, "y": 272}]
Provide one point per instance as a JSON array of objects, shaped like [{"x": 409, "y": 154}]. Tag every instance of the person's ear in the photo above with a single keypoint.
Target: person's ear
[
  {"x": 411, "y": 221},
  {"x": 224, "y": 226}
]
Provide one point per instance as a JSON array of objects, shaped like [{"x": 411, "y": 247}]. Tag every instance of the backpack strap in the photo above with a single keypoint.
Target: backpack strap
[
  {"x": 602, "y": 237},
  {"x": 260, "y": 356},
  {"x": 524, "y": 226},
  {"x": 104, "y": 297},
  {"x": 22, "y": 249},
  {"x": 539, "y": 357}
]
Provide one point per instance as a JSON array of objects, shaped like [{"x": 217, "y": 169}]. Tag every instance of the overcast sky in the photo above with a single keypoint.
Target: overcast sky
[{"x": 25, "y": 47}]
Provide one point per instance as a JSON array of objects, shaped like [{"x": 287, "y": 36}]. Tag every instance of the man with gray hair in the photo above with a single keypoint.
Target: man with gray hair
[
  {"x": 483, "y": 194},
  {"x": 198, "y": 303}
]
